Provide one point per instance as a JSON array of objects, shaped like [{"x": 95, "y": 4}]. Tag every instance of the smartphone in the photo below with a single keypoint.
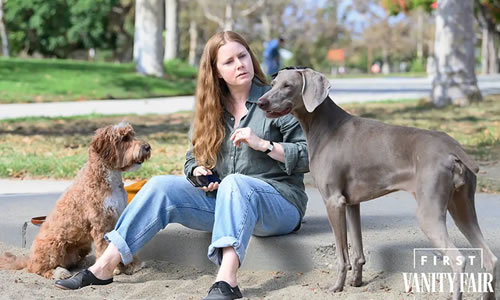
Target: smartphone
[{"x": 203, "y": 180}]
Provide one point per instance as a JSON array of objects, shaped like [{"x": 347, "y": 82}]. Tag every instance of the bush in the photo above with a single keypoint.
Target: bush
[
  {"x": 57, "y": 28},
  {"x": 417, "y": 65},
  {"x": 180, "y": 69}
]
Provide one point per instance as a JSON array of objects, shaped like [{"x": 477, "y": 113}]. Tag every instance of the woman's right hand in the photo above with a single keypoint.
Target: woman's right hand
[{"x": 202, "y": 171}]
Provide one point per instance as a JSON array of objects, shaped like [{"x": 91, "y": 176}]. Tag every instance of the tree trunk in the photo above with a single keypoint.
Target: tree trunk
[
  {"x": 492, "y": 57},
  {"x": 484, "y": 51},
  {"x": 455, "y": 81},
  {"x": 498, "y": 55},
  {"x": 172, "y": 28},
  {"x": 489, "y": 62},
  {"x": 386, "y": 69},
  {"x": 3, "y": 32},
  {"x": 228, "y": 20},
  {"x": 193, "y": 42},
  {"x": 266, "y": 26},
  {"x": 369, "y": 58},
  {"x": 491, "y": 34},
  {"x": 420, "y": 33},
  {"x": 119, "y": 20},
  {"x": 148, "y": 40}
]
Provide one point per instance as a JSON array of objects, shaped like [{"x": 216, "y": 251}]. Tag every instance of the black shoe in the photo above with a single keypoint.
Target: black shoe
[
  {"x": 221, "y": 290},
  {"x": 80, "y": 280}
]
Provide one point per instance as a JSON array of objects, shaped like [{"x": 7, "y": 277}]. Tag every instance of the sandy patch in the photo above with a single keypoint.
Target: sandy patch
[{"x": 164, "y": 280}]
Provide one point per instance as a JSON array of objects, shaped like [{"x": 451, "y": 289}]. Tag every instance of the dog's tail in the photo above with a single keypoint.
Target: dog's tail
[
  {"x": 460, "y": 154},
  {"x": 461, "y": 164},
  {"x": 12, "y": 262}
]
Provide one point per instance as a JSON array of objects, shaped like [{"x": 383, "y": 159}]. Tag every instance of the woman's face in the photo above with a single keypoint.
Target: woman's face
[{"x": 234, "y": 64}]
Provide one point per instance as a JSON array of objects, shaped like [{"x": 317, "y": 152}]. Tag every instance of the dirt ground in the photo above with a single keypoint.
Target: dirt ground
[{"x": 164, "y": 280}]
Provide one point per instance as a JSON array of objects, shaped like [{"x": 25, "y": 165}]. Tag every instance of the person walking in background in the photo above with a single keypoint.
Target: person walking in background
[{"x": 272, "y": 55}]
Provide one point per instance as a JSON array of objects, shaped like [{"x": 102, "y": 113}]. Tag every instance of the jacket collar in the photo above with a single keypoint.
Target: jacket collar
[{"x": 258, "y": 89}]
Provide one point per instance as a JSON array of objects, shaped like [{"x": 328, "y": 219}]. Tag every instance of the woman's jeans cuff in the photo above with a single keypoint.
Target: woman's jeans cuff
[
  {"x": 215, "y": 249},
  {"x": 117, "y": 240}
]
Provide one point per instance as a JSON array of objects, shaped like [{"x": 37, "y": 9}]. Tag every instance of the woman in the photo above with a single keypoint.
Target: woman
[{"x": 259, "y": 160}]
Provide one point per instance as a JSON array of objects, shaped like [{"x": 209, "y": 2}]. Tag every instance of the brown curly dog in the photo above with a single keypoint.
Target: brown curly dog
[{"x": 88, "y": 209}]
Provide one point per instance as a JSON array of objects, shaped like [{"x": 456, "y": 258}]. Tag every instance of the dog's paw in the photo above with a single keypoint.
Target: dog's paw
[
  {"x": 61, "y": 273},
  {"x": 336, "y": 289},
  {"x": 356, "y": 281},
  {"x": 357, "y": 278},
  {"x": 117, "y": 271},
  {"x": 129, "y": 269},
  {"x": 125, "y": 269}
]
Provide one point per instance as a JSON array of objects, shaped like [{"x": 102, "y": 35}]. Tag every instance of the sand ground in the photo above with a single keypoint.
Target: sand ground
[{"x": 164, "y": 280}]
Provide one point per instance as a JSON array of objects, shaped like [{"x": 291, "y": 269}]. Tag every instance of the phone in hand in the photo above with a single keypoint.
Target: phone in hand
[{"x": 203, "y": 180}]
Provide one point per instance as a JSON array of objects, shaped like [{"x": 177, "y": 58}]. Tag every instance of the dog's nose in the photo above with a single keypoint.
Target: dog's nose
[
  {"x": 262, "y": 103},
  {"x": 146, "y": 147}
]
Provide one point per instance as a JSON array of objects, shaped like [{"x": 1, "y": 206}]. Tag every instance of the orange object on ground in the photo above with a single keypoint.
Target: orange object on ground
[{"x": 133, "y": 188}]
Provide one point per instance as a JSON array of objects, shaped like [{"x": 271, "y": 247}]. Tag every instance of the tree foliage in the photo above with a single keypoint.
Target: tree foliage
[
  {"x": 493, "y": 9},
  {"x": 312, "y": 32},
  {"x": 387, "y": 40},
  {"x": 61, "y": 28},
  {"x": 395, "y": 7},
  {"x": 58, "y": 27}
]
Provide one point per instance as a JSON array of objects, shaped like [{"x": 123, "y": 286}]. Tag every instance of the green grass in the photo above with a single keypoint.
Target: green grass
[
  {"x": 36, "y": 80},
  {"x": 476, "y": 127},
  {"x": 380, "y": 75},
  {"x": 57, "y": 147}
]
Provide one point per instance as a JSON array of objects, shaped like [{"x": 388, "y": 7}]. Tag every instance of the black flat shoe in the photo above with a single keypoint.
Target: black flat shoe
[
  {"x": 221, "y": 290},
  {"x": 81, "y": 279}
]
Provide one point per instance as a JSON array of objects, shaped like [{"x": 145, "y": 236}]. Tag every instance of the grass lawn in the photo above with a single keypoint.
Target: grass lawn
[
  {"x": 46, "y": 80},
  {"x": 379, "y": 75},
  {"x": 57, "y": 147}
]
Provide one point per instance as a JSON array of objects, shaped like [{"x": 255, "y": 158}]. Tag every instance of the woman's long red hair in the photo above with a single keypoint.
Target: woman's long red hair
[{"x": 211, "y": 92}]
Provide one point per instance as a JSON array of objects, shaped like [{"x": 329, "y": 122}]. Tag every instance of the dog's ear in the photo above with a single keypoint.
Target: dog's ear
[
  {"x": 315, "y": 88},
  {"x": 103, "y": 143},
  {"x": 97, "y": 143},
  {"x": 124, "y": 128}
]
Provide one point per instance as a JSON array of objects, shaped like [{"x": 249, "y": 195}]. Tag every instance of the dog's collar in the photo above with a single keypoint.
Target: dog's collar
[
  {"x": 289, "y": 68},
  {"x": 303, "y": 82}
]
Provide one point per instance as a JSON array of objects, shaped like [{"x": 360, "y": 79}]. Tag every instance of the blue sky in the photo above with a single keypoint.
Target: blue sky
[
  {"x": 355, "y": 20},
  {"x": 361, "y": 21}
]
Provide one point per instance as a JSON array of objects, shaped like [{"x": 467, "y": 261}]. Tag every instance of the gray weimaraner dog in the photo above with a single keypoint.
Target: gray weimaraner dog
[{"x": 354, "y": 159}]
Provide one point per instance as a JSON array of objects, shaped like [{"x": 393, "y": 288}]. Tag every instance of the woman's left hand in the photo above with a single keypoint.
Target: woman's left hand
[{"x": 247, "y": 136}]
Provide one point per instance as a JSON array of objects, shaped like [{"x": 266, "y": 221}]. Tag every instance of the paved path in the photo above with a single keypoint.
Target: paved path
[
  {"x": 106, "y": 107},
  {"x": 390, "y": 232},
  {"x": 396, "y": 88},
  {"x": 343, "y": 91}
]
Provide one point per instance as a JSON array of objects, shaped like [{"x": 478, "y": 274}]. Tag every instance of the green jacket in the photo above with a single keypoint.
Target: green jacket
[{"x": 287, "y": 178}]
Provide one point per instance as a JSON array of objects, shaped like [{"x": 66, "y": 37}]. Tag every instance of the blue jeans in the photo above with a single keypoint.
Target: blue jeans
[{"x": 243, "y": 206}]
